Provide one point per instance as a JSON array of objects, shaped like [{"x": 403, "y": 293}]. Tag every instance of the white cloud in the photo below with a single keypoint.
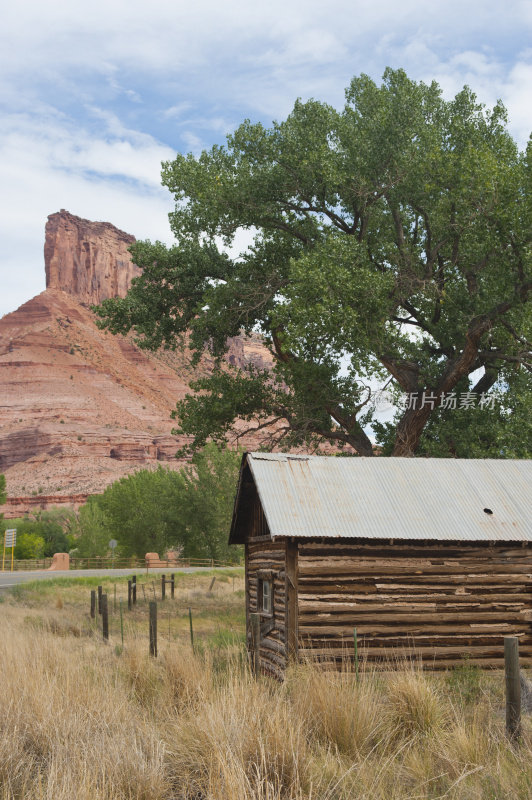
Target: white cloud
[
  {"x": 178, "y": 36},
  {"x": 95, "y": 97},
  {"x": 176, "y": 111},
  {"x": 517, "y": 95},
  {"x": 193, "y": 143}
]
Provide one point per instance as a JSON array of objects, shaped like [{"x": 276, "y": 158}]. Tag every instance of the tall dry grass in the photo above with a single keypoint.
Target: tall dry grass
[{"x": 80, "y": 719}]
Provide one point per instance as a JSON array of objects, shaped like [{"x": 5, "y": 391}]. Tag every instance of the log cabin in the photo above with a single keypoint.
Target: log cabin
[{"x": 427, "y": 558}]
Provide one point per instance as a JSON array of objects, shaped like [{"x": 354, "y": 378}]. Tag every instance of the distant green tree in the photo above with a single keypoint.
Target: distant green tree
[
  {"x": 138, "y": 510},
  {"x": 93, "y": 530},
  {"x": 55, "y": 526},
  {"x": 153, "y": 511},
  {"x": 3, "y": 493},
  {"x": 46, "y": 526},
  {"x": 206, "y": 503}
]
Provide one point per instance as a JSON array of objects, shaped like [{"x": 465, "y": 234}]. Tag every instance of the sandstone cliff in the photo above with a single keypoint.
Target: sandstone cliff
[
  {"x": 80, "y": 407},
  {"x": 89, "y": 260}
]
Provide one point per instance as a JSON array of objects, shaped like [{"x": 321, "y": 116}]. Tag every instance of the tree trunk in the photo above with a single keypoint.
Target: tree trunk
[{"x": 409, "y": 431}]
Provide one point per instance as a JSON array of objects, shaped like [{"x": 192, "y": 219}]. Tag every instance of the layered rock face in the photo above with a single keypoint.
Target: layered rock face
[
  {"x": 89, "y": 260},
  {"x": 80, "y": 407}
]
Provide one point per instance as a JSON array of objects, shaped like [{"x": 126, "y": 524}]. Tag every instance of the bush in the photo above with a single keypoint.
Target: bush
[{"x": 29, "y": 545}]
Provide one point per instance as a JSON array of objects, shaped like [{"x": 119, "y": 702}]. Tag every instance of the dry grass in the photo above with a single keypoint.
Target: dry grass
[{"x": 85, "y": 720}]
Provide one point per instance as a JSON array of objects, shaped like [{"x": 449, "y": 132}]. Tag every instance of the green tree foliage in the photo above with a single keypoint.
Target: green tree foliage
[
  {"x": 153, "y": 511},
  {"x": 501, "y": 431},
  {"x": 92, "y": 529},
  {"x": 56, "y": 527},
  {"x": 138, "y": 511},
  {"x": 206, "y": 504},
  {"x": 29, "y": 545},
  {"x": 41, "y": 536},
  {"x": 392, "y": 243},
  {"x": 3, "y": 493}
]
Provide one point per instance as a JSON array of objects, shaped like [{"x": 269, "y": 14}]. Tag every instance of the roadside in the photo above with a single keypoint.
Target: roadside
[{"x": 10, "y": 579}]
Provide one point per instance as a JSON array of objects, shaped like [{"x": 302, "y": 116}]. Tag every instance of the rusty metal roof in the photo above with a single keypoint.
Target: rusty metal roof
[{"x": 398, "y": 498}]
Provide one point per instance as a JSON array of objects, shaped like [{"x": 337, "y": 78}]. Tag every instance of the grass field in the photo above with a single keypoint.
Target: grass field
[
  {"x": 217, "y": 613},
  {"x": 83, "y": 719}
]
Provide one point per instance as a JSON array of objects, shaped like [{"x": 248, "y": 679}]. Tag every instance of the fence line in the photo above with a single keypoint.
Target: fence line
[{"x": 105, "y": 562}]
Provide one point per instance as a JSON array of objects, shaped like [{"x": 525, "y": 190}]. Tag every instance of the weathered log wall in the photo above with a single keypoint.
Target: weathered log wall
[
  {"x": 268, "y": 559},
  {"x": 433, "y": 600}
]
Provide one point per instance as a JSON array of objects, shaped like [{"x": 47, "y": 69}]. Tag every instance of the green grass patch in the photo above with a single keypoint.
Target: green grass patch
[{"x": 44, "y": 585}]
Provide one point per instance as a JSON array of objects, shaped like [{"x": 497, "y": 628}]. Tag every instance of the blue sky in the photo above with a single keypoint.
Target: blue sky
[{"x": 94, "y": 96}]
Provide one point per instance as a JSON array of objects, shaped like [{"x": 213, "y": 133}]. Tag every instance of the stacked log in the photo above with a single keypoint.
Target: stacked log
[
  {"x": 266, "y": 560},
  {"x": 435, "y": 601}
]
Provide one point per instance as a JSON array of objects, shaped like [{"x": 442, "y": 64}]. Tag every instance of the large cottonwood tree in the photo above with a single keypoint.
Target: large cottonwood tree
[{"x": 391, "y": 245}]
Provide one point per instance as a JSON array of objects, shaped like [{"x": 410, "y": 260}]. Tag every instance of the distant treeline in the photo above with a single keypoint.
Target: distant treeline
[
  {"x": 149, "y": 511},
  {"x": 44, "y": 534}
]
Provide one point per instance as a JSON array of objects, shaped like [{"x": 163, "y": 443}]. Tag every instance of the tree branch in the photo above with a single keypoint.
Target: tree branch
[
  {"x": 488, "y": 380},
  {"x": 406, "y": 373}
]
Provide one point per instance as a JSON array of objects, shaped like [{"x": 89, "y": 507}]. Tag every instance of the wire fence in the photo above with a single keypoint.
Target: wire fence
[{"x": 154, "y": 597}]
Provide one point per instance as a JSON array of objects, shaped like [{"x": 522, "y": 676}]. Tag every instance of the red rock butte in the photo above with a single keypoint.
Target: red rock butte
[
  {"x": 80, "y": 407},
  {"x": 89, "y": 260}
]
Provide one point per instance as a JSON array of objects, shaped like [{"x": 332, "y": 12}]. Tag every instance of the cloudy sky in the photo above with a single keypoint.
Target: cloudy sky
[{"x": 95, "y": 95}]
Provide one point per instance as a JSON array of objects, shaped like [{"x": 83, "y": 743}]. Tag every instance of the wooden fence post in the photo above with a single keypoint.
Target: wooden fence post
[
  {"x": 153, "y": 628},
  {"x": 129, "y": 596},
  {"x": 163, "y": 587},
  {"x": 105, "y": 618},
  {"x": 191, "y": 628},
  {"x": 255, "y": 643},
  {"x": 134, "y": 588},
  {"x": 121, "y": 623},
  {"x": 100, "y": 592},
  {"x": 355, "y": 638},
  {"x": 513, "y": 687},
  {"x": 93, "y": 603},
  {"x": 172, "y": 585}
]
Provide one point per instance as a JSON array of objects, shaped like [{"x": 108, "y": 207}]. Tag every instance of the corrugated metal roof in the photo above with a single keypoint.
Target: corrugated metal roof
[{"x": 398, "y": 498}]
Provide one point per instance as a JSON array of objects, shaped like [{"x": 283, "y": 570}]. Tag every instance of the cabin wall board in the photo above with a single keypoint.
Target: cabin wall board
[
  {"x": 436, "y": 600},
  {"x": 268, "y": 556}
]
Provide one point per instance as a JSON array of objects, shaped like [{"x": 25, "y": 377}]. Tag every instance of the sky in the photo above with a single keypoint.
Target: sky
[{"x": 96, "y": 95}]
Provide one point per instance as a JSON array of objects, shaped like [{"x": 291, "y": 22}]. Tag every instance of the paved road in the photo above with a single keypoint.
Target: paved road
[{"x": 12, "y": 578}]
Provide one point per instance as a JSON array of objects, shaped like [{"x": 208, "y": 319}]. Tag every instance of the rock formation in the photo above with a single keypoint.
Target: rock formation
[
  {"x": 80, "y": 407},
  {"x": 89, "y": 260}
]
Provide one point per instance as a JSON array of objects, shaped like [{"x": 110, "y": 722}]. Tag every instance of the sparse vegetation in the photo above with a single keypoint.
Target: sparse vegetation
[{"x": 104, "y": 722}]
